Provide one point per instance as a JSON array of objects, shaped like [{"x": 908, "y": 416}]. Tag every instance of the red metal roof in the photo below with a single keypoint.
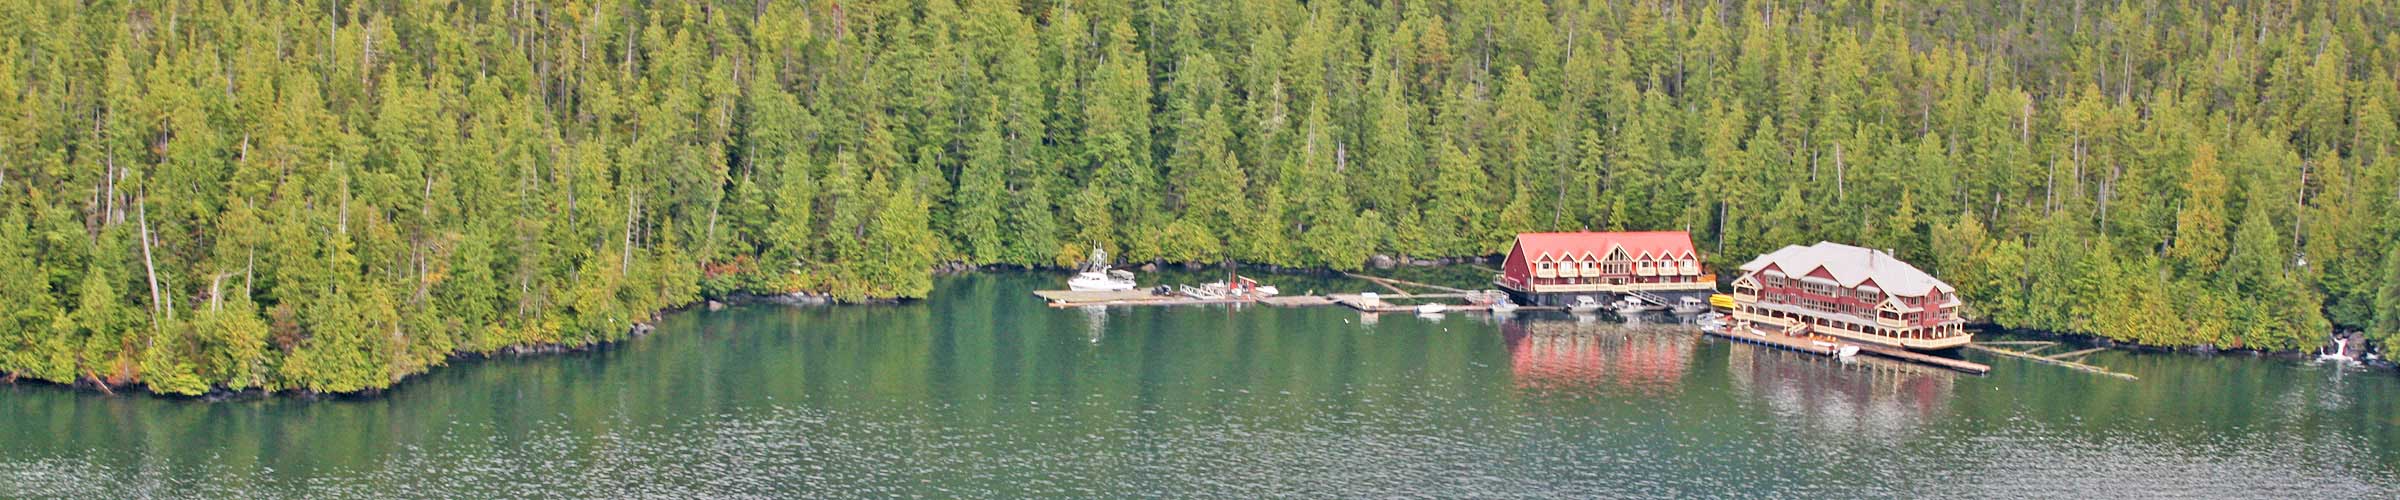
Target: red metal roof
[{"x": 1659, "y": 244}]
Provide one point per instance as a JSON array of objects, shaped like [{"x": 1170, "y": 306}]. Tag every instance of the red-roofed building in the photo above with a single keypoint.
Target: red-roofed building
[{"x": 1542, "y": 268}]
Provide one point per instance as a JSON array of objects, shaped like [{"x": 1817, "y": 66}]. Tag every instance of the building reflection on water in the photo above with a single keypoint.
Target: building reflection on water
[
  {"x": 1864, "y": 394},
  {"x": 1647, "y": 359},
  {"x": 1815, "y": 393}
]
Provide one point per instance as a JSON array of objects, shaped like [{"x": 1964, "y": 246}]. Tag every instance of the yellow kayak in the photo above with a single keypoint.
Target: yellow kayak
[{"x": 1721, "y": 301}]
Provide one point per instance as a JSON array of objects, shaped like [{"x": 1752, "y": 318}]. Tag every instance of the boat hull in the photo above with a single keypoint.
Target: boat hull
[{"x": 1083, "y": 285}]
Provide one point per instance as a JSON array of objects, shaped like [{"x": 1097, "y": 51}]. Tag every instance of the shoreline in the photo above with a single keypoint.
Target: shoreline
[{"x": 812, "y": 299}]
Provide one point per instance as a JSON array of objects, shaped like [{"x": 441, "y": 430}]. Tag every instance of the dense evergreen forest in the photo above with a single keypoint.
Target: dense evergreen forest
[{"x": 331, "y": 195}]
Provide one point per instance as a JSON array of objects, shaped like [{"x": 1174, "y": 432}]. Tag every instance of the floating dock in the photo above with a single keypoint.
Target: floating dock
[
  {"x": 1831, "y": 348},
  {"x": 1072, "y": 298}
]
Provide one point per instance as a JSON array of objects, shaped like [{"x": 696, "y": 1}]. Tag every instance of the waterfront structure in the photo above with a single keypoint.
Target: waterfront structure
[
  {"x": 1852, "y": 293},
  {"x": 1551, "y": 269}
]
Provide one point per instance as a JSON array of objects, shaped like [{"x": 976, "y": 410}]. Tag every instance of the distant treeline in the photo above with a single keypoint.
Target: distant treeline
[{"x": 332, "y": 195}]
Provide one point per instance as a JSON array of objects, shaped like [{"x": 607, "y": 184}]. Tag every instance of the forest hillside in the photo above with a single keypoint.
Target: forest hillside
[{"x": 332, "y": 195}]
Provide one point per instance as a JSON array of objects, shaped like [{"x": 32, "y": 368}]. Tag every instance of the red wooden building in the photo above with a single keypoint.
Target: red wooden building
[
  {"x": 1547, "y": 268},
  {"x": 1849, "y": 292}
]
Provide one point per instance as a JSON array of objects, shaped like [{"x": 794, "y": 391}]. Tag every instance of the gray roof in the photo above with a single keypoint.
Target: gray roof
[{"x": 1851, "y": 266}]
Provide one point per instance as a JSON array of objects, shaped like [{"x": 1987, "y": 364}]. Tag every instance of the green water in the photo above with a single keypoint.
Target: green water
[{"x": 984, "y": 392}]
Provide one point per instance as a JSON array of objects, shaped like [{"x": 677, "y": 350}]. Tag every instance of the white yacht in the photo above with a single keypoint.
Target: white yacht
[{"x": 1097, "y": 277}]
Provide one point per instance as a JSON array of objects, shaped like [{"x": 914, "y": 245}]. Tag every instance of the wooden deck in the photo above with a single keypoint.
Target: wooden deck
[
  {"x": 1787, "y": 342},
  {"x": 1778, "y": 341}
]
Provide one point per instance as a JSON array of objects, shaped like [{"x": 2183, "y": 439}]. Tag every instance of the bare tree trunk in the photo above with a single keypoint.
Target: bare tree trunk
[
  {"x": 108, "y": 202},
  {"x": 2050, "y": 189},
  {"x": 216, "y": 295},
  {"x": 632, "y": 207},
  {"x": 2108, "y": 190},
  {"x": 149, "y": 268},
  {"x": 366, "y": 55},
  {"x": 342, "y": 226},
  {"x": 1724, "y": 218},
  {"x": 1840, "y": 193}
]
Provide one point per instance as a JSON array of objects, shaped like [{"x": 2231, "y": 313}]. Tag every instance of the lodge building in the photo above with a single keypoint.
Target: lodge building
[
  {"x": 1848, "y": 292},
  {"x": 1551, "y": 268}
]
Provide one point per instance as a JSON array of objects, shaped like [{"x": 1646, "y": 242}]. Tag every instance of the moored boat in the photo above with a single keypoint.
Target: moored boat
[
  {"x": 1583, "y": 304},
  {"x": 1095, "y": 276},
  {"x": 1689, "y": 305},
  {"x": 1504, "y": 306}
]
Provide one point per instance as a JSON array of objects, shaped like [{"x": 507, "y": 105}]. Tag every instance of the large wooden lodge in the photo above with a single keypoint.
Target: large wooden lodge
[
  {"x": 1551, "y": 269},
  {"x": 1853, "y": 293}
]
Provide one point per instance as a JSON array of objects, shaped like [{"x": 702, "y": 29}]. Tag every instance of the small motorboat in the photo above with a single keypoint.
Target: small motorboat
[
  {"x": 1631, "y": 306},
  {"x": 1434, "y": 308},
  {"x": 1689, "y": 305},
  {"x": 1711, "y": 323},
  {"x": 1847, "y": 351},
  {"x": 1504, "y": 306},
  {"x": 1583, "y": 304}
]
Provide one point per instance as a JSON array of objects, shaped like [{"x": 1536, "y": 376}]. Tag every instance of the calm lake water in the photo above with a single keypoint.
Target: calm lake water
[{"x": 984, "y": 392}]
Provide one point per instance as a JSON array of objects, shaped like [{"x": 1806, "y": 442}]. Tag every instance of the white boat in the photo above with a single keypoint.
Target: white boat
[
  {"x": 1631, "y": 306},
  {"x": 1712, "y": 322},
  {"x": 1434, "y": 308},
  {"x": 1113, "y": 280},
  {"x": 1504, "y": 307},
  {"x": 1097, "y": 277},
  {"x": 1689, "y": 305},
  {"x": 1583, "y": 303},
  {"x": 1847, "y": 350}
]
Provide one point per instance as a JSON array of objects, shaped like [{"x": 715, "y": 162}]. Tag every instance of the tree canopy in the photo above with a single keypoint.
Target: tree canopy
[{"x": 332, "y": 196}]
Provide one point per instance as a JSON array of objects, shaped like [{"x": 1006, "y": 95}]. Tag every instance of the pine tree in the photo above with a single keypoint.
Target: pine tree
[
  {"x": 2200, "y": 233},
  {"x": 982, "y": 192}
]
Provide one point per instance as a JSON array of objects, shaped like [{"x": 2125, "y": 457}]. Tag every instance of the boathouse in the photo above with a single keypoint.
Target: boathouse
[
  {"x": 1853, "y": 293},
  {"x": 1552, "y": 269}
]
